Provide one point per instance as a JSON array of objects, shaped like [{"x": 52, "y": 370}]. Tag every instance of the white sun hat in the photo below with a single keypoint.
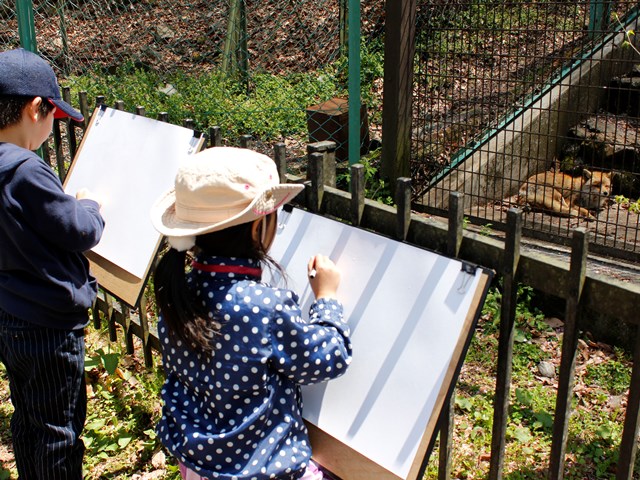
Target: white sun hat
[{"x": 218, "y": 188}]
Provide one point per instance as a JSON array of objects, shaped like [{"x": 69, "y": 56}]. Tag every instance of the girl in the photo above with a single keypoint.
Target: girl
[{"x": 236, "y": 350}]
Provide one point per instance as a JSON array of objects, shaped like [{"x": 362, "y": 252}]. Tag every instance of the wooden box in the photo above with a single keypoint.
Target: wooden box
[{"x": 330, "y": 121}]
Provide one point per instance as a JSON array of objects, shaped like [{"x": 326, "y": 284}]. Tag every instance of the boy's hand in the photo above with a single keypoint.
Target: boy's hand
[
  {"x": 324, "y": 276},
  {"x": 86, "y": 193}
]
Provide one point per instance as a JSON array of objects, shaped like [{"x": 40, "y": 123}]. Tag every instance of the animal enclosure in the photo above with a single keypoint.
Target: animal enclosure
[{"x": 506, "y": 91}]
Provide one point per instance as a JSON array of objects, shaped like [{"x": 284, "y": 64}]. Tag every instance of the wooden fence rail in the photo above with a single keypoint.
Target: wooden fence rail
[{"x": 580, "y": 288}]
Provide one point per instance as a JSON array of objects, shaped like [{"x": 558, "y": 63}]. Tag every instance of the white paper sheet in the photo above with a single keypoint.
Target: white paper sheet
[
  {"x": 406, "y": 308},
  {"x": 128, "y": 161}
]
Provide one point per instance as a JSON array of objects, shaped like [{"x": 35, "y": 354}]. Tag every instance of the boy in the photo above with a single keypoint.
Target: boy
[{"x": 45, "y": 285}]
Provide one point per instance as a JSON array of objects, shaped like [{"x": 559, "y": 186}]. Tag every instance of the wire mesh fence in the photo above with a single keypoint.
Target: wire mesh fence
[
  {"x": 249, "y": 67},
  {"x": 507, "y": 90}
]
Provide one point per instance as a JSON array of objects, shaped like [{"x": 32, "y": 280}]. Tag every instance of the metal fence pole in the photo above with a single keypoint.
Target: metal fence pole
[
  {"x": 354, "y": 81},
  {"x": 26, "y": 24},
  {"x": 27, "y": 32}
]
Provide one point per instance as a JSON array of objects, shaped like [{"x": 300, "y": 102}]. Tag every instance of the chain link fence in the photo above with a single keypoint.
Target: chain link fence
[
  {"x": 257, "y": 68},
  {"x": 506, "y": 90}
]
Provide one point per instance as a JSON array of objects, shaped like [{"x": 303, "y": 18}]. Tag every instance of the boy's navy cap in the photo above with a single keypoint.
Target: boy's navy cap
[{"x": 23, "y": 73}]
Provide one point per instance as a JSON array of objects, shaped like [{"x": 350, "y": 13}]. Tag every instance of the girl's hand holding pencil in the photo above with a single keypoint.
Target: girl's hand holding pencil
[{"x": 324, "y": 276}]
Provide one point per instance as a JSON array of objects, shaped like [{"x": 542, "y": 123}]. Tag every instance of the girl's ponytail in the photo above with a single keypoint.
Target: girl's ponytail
[{"x": 184, "y": 317}]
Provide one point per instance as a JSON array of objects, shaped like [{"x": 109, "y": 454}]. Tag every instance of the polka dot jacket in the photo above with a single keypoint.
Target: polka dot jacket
[{"x": 236, "y": 413}]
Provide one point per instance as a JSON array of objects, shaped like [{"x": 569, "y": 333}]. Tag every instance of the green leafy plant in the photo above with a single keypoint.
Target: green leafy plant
[
  {"x": 109, "y": 361},
  {"x": 273, "y": 108},
  {"x": 123, "y": 408},
  {"x": 376, "y": 187},
  {"x": 526, "y": 313},
  {"x": 628, "y": 34},
  {"x": 613, "y": 376},
  {"x": 595, "y": 428},
  {"x": 624, "y": 202},
  {"x": 371, "y": 73},
  {"x": 486, "y": 230}
]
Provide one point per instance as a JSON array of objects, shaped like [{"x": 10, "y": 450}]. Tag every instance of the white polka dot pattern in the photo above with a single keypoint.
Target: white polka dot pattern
[{"x": 236, "y": 414}]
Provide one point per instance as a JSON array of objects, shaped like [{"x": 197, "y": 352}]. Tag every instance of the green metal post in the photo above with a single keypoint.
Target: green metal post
[
  {"x": 354, "y": 81},
  {"x": 27, "y": 32},
  {"x": 26, "y": 25},
  {"x": 599, "y": 11}
]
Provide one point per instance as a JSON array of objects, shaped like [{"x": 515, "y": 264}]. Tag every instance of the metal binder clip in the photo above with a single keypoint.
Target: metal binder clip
[
  {"x": 193, "y": 143},
  {"x": 100, "y": 113},
  {"x": 470, "y": 271}
]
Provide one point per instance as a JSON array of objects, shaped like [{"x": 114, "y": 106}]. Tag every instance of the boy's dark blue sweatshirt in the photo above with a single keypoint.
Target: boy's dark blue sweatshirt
[{"x": 44, "y": 275}]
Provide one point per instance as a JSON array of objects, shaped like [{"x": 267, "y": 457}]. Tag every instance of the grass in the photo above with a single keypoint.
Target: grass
[
  {"x": 273, "y": 109},
  {"x": 595, "y": 427},
  {"x": 123, "y": 409},
  {"x": 124, "y": 406}
]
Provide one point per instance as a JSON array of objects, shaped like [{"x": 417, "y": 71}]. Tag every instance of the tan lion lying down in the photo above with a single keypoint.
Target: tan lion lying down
[{"x": 564, "y": 195}]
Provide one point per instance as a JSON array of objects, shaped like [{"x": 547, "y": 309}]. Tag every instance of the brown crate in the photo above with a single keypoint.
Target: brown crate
[{"x": 330, "y": 121}]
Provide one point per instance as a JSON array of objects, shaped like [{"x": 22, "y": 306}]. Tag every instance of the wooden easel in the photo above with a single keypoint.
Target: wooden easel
[
  {"x": 412, "y": 314},
  {"x": 127, "y": 160}
]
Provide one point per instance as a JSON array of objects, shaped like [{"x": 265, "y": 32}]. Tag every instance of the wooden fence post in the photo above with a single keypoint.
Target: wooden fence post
[
  {"x": 126, "y": 323},
  {"x": 71, "y": 125},
  {"x": 315, "y": 167},
  {"x": 628, "y": 444},
  {"x": 84, "y": 109},
  {"x": 454, "y": 241},
  {"x": 95, "y": 313},
  {"x": 399, "y": 48},
  {"x": 110, "y": 312},
  {"x": 577, "y": 273},
  {"x": 215, "y": 137},
  {"x": 246, "y": 141},
  {"x": 280, "y": 157},
  {"x": 403, "y": 203},
  {"x": 144, "y": 326},
  {"x": 328, "y": 151},
  {"x": 456, "y": 224},
  {"x": 505, "y": 342},
  {"x": 57, "y": 147}
]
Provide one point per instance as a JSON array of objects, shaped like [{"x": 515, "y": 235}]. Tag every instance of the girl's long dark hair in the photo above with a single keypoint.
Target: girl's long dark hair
[{"x": 186, "y": 318}]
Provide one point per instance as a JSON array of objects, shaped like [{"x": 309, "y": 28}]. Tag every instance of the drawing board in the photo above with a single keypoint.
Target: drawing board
[
  {"x": 412, "y": 313},
  {"x": 128, "y": 161}
]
